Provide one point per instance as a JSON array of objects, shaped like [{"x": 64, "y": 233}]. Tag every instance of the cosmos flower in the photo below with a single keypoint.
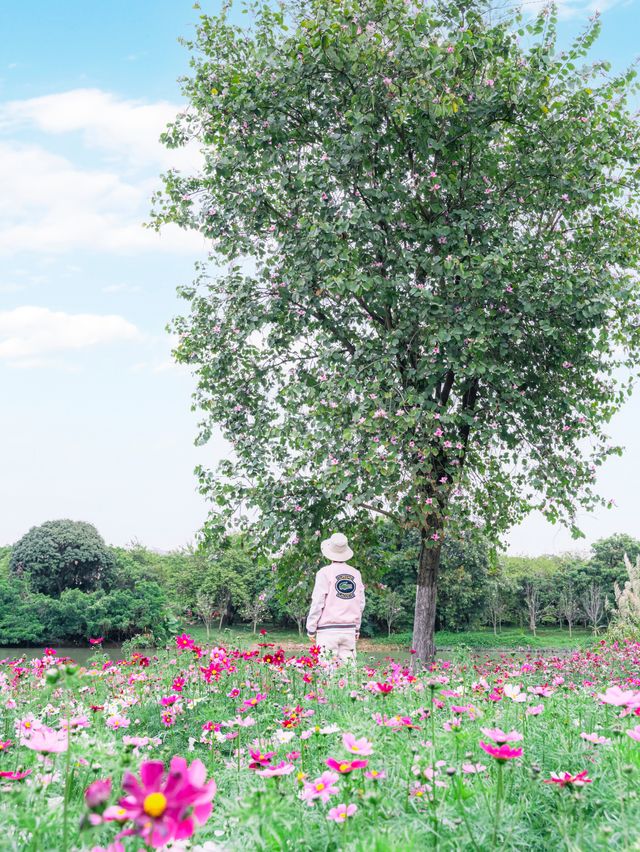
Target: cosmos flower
[
  {"x": 283, "y": 768},
  {"x": 344, "y": 767},
  {"x": 357, "y": 746},
  {"x": 165, "y": 805},
  {"x": 566, "y": 779},
  {"x": 341, "y": 812},
  {"x": 46, "y": 740},
  {"x": 322, "y": 788},
  {"x": 501, "y": 753}
]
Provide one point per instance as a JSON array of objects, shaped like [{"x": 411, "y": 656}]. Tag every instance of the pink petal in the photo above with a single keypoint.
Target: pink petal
[{"x": 151, "y": 773}]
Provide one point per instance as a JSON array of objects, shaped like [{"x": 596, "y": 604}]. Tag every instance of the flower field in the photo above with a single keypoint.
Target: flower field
[{"x": 228, "y": 749}]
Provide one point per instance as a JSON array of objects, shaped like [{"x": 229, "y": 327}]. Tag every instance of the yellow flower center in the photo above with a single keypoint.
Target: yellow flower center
[
  {"x": 374, "y": 772},
  {"x": 155, "y": 804},
  {"x": 344, "y": 767},
  {"x": 354, "y": 747},
  {"x": 319, "y": 786}
]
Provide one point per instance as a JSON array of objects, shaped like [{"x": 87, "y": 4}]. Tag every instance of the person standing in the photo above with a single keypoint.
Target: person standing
[{"x": 337, "y": 601}]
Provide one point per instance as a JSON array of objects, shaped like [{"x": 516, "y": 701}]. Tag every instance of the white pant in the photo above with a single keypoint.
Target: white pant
[{"x": 342, "y": 643}]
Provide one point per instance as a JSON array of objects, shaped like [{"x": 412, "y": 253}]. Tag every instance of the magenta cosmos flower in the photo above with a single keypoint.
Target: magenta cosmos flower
[
  {"x": 500, "y": 737},
  {"x": 97, "y": 793},
  {"x": 165, "y": 805},
  {"x": 346, "y": 766},
  {"x": 501, "y": 753},
  {"x": 15, "y": 776},
  {"x": 341, "y": 812},
  {"x": 634, "y": 733},
  {"x": 566, "y": 779},
  {"x": 357, "y": 746}
]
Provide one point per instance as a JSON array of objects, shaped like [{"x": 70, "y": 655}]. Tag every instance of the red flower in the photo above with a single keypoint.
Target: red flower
[
  {"x": 384, "y": 688},
  {"x": 263, "y": 632},
  {"x": 98, "y": 641}
]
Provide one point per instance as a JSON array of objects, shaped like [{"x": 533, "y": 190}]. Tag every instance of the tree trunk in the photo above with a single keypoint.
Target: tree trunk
[
  {"x": 424, "y": 622},
  {"x": 220, "y": 621}
]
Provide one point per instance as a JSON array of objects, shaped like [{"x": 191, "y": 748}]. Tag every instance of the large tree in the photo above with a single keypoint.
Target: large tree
[
  {"x": 426, "y": 231},
  {"x": 61, "y": 555}
]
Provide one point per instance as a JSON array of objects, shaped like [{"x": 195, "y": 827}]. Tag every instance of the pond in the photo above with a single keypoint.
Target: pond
[{"x": 79, "y": 655}]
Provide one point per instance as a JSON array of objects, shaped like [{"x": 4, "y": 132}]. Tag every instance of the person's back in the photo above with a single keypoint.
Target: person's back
[{"x": 338, "y": 600}]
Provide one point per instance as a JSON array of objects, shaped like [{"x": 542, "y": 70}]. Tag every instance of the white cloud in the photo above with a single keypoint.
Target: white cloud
[
  {"x": 50, "y": 205},
  {"x": 29, "y": 334},
  {"x": 127, "y": 128}
]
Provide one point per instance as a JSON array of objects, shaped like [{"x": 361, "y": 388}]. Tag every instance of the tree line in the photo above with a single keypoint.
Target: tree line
[{"x": 62, "y": 583}]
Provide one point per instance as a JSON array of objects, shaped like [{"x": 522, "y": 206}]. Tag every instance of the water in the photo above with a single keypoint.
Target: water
[{"x": 79, "y": 655}]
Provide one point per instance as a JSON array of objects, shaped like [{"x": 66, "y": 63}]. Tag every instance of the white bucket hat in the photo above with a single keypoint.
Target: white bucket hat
[{"x": 336, "y": 548}]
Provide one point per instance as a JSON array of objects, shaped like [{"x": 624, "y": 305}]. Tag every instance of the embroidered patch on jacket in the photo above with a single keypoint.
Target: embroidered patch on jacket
[{"x": 345, "y": 586}]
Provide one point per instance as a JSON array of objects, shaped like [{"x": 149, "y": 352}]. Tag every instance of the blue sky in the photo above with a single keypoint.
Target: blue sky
[{"x": 95, "y": 420}]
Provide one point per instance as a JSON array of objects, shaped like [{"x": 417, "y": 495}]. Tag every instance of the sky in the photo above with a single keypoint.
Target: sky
[{"x": 95, "y": 418}]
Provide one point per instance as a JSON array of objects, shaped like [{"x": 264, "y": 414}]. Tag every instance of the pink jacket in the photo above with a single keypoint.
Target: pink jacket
[{"x": 338, "y": 598}]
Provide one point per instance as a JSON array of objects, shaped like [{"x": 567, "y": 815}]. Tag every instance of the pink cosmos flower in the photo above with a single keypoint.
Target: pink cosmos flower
[
  {"x": 184, "y": 641},
  {"x": 341, "y": 812},
  {"x": 4, "y": 744},
  {"x": 117, "y": 721},
  {"x": 46, "y": 740},
  {"x": 283, "y": 768},
  {"x": 620, "y": 698},
  {"x": 536, "y": 710},
  {"x": 566, "y": 779},
  {"x": 499, "y": 736},
  {"x": 165, "y": 805},
  {"x": 321, "y": 788},
  {"x": 27, "y": 725},
  {"x": 501, "y": 753},
  {"x": 344, "y": 767},
  {"x": 97, "y": 641},
  {"x": 357, "y": 746},
  {"x": 634, "y": 733},
  {"x": 375, "y": 774},
  {"x": 97, "y": 793},
  {"x": 473, "y": 768},
  {"x": 595, "y": 739}
]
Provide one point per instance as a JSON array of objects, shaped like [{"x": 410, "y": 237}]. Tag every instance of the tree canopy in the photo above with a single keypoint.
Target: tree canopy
[
  {"x": 430, "y": 225},
  {"x": 61, "y": 555}
]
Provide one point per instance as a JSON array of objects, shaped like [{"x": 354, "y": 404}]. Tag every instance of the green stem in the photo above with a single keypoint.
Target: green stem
[
  {"x": 67, "y": 766},
  {"x": 499, "y": 794}
]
